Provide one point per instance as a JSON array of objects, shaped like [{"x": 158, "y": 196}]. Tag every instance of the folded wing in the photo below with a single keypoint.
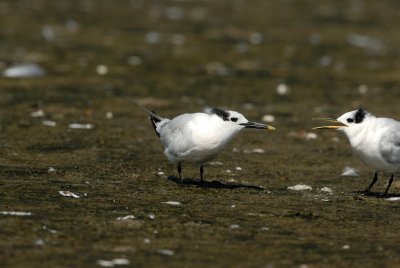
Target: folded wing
[{"x": 390, "y": 145}]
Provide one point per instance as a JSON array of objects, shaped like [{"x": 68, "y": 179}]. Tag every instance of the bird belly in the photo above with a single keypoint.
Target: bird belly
[
  {"x": 374, "y": 159},
  {"x": 193, "y": 155},
  {"x": 200, "y": 153}
]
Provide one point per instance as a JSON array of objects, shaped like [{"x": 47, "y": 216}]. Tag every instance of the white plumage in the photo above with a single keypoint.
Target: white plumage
[
  {"x": 376, "y": 141},
  {"x": 199, "y": 137}
]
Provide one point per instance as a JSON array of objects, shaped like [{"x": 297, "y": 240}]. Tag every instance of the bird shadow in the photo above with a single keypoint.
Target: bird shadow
[
  {"x": 212, "y": 184},
  {"x": 375, "y": 194}
]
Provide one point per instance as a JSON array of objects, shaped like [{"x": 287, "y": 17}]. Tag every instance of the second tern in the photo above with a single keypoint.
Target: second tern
[{"x": 374, "y": 140}]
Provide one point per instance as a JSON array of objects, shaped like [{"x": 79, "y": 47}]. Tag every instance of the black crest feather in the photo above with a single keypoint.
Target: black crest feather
[
  {"x": 154, "y": 118},
  {"x": 360, "y": 115},
  {"x": 221, "y": 113}
]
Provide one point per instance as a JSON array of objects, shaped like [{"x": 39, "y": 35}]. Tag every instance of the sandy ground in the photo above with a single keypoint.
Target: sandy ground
[{"x": 294, "y": 60}]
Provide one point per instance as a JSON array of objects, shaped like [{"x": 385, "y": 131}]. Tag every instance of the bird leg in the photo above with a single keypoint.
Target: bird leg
[
  {"x": 373, "y": 182},
  {"x": 390, "y": 183},
  {"x": 201, "y": 174},
  {"x": 180, "y": 171}
]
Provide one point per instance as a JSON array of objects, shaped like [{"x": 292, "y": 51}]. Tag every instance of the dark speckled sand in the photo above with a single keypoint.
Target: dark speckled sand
[{"x": 182, "y": 56}]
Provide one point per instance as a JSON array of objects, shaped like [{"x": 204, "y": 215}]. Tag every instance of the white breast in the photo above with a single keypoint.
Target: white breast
[{"x": 366, "y": 143}]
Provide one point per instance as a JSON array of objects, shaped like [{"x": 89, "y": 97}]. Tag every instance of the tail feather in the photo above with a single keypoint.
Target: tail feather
[{"x": 154, "y": 118}]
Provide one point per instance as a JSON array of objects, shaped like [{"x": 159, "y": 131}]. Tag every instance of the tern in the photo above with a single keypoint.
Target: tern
[
  {"x": 374, "y": 140},
  {"x": 198, "y": 137}
]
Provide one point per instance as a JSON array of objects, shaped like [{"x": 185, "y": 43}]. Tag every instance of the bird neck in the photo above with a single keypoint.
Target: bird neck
[{"x": 358, "y": 134}]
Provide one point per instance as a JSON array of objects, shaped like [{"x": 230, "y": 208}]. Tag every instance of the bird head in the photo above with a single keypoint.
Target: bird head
[
  {"x": 348, "y": 121},
  {"x": 237, "y": 121}
]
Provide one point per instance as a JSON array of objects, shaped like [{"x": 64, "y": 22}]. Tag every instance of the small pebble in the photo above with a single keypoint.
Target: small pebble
[
  {"x": 72, "y": 26},
  {"x": 255, "y": 38},
  {"x": 172, "y": 203},
  {"x": 114, "y": 262},
  {"x": 39, "y": 242},
  {"x": 282, "y": 89},
  {"x": 248, "y": 106},
  {"x": 49, "y": 123},
  {"x": 325, "y": 61},
  {"x": 394, "y": 198},
  {"x": 127, "y": 217},
  {"x": 268, "y": 118},
  {"x": 51, "y": 170},
  {"x": 303, "y": 135},
  {"x": 121, "y": 261},
  {"x": 311, "y": 136},
  {"x": 349, "y": 172},
  {"x": 258, "y": 151},
  {"x": 174, "y": 13},
  {"x": 38, "y": 113},
  {"x": 216, "y": 68},
  {"x": 105, "y": 263},
  {"x": 153, "y": 37},
  {"x": 102, "y": 69},
  {"x": 362, "y": 89},
  {"x": 80, "y": 126},
  {"x": 234, "y": 226},
  {"x": 109, "y": 115},
  {"x": 178, "y": 39},
  {"x": 315, "y": 38},
  {"x": 198, "y": 13},
  {"x": 300, "y": 187},
  {"x": 48, "y": 33},
  {"x": 242, "y": 47},
  {"x": 68, "y": 194},
  {"x": 166, "y": 252},
  {"x": 28, "y": 70},
  {"x": 135, "y": 60},
  {"x": 326, "y": 190},
  {"x": 15, "y": 213}
]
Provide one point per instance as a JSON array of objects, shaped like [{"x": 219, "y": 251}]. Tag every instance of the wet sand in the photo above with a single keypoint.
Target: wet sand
[{"x": 182, "y": 56}]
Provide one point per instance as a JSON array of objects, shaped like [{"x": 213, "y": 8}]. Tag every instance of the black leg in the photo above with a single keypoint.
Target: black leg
[
  {"x": 180, "y": 171},
  {"x": 201, "y": 174},
  {"x": 372, "y": 183},
  {"x": 390, "y": 183}
]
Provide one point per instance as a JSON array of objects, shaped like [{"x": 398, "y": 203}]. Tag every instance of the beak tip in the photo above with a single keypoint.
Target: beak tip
[{"x": 332, "y": 120}]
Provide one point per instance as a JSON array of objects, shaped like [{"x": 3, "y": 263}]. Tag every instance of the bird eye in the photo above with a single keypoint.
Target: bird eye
[
  {"x": 350, "y": 120},
  {"x": 234, "y": 119}
]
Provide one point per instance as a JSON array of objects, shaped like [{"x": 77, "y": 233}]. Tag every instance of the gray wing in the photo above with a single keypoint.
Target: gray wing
[
  {"x": 390, "y": 144},
  {"x": 175, "y": 135}
]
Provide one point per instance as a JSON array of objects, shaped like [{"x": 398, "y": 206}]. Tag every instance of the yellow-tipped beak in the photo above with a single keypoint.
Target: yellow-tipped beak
[
  {"x": 257, "y": 125},
  {"x": 331, "y": 120}
]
